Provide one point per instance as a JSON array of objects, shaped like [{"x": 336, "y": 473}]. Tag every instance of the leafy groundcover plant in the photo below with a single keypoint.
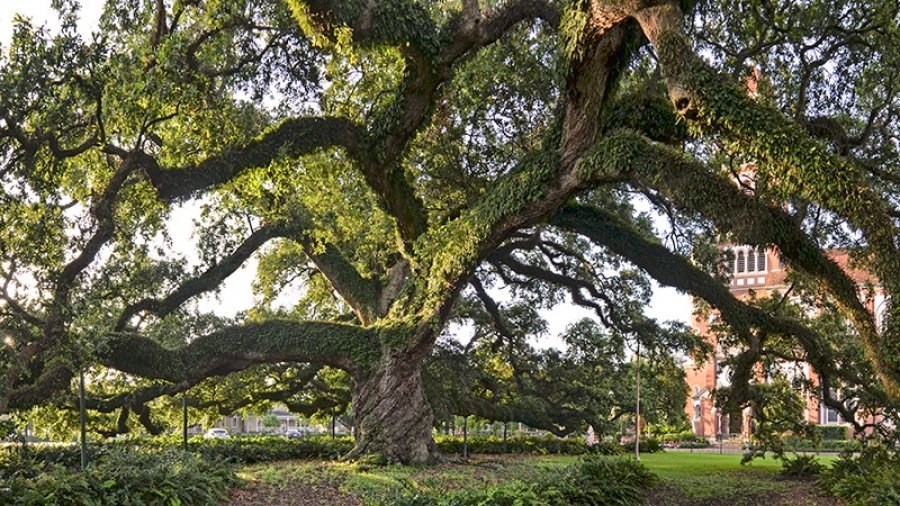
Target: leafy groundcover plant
[
  {"x": 115, "y": 476},
  {"x": 592, "y": 481},
  {"x": 870, "y": 479}
]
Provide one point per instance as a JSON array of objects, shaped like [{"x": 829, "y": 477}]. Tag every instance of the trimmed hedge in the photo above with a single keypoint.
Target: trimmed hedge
[
  {"x": 529, "y": 445},
  {"x": 833, "y": 432},
  {"x": 116, "y": 477},
  {"x": 796, "y": 444},
  {"x": 253, "y": 449}
]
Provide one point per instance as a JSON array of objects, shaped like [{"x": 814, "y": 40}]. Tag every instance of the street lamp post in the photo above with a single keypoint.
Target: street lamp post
[
  {"x": 83, "y": 421},
  {"x": 184, "y": 422},
  {"x": 637, "y": 406}
]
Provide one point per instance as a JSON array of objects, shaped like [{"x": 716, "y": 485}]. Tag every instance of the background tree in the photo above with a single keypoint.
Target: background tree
[{"x": 393, "y": 156}]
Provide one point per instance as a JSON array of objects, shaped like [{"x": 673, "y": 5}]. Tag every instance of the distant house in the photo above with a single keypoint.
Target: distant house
[{"x": 253, "y": 424}]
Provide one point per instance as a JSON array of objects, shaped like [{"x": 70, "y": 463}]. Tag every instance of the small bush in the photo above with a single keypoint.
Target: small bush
[
  {"x": 801, "y": 466},
  {"x": 527, "y": 445},
  {"x": 871, "y": 479},
  {"x": 611, "y": 482},
  {"x": 833, "y": 432},
  {"x": 648, "y": 445},
  {"x": 606, "y": 448}
]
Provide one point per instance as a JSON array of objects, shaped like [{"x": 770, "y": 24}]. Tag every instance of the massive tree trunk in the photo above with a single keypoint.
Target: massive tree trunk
[{"x": 393, "y": 417}]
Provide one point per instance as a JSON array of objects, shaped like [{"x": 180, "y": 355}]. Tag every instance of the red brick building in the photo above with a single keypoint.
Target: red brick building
[{"x": 760, "y": 272}]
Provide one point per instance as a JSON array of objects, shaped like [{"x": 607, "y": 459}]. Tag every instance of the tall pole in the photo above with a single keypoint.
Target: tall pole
[
  {"x": 83, "y": 421},
  {"x": 466, "y": 437},
  {"x": 637, "y": 407},
  {"x": 184, "y": 422}
]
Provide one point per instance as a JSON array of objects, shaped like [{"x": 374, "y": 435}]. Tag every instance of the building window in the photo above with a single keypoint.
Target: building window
[
  {"x": 234, "y": 421},
  {"x": 746, "y": 259}
]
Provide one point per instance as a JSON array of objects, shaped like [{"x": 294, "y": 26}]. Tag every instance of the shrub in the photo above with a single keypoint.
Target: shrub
[
  {"x": 801, "y": 466},
  {"x": 611, "y": 482},
  {"x": 797, "y": 444},
  {"x": 606, "y": 448},
  {"x": 871, "y": 479},
  {"x": 122, "y": 477},
  {"x": 833, "y": 432},
  {"x": 698, "y": 443},
  {"x": 529, "y": 445},
  {"x": 648, "y": 445}
]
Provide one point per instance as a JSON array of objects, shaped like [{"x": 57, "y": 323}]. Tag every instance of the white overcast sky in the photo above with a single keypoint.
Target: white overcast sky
[{"x": 667, "y": 303}]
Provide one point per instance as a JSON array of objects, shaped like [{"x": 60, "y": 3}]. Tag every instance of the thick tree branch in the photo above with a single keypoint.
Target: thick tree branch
[
  {"x": 802, "y": 166},
  {"x": 292, "y": 138},
  {"x": 208, "y": 280},
  {"x": 673, "y": 270},
  {"x": 693, "y": 187},
  {"x": 233, "y": 349}
]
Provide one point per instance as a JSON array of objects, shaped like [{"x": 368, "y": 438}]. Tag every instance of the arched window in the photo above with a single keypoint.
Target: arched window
[
  {"x": 741, "y": 262},
  {"x": 761, "y": 259},
  {"x": 751, "y": 260}
]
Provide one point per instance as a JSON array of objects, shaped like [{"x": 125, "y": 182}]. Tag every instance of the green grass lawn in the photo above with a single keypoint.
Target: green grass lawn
[
  {"x": 685, "y": 478},
  {"x": 721, "y": 478}
]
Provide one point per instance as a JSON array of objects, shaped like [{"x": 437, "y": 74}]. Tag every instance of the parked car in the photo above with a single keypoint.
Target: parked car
[
  {"x": 293, "y": 434},
  {"x": 216, "y": 434}
]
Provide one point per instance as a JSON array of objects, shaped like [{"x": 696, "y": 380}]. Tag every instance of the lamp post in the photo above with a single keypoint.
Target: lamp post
[
  {"x": 83, "y": 420},
  {"x": 637, "y": 406},
  {"x": 184, "y": 422},
  {"x": 466, "y": 437}
]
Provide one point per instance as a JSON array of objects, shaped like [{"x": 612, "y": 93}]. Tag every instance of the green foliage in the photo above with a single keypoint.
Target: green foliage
[
  {"x": 869, "y": 479},
  {"x": 528, "y": 445},
  {"x": 833, "y": 432},
  {"x": 801, "y": 466},
  {"x": 589, "y": 482},
  {"x": 119, "y": 476},
  {"x": 648, "y": 445}
]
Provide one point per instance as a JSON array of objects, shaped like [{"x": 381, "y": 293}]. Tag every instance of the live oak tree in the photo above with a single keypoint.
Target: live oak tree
[{"x": 390, "y": 156}]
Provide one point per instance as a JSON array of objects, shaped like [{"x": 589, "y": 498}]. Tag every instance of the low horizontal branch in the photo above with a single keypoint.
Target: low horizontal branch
[{"x": 232, "y": 349}]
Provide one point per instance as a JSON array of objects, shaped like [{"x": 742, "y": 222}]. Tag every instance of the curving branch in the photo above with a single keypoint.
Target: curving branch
[
  {"x": 803, "y": 166},
  {"x": 292, "y": 138},
  {"x": 692, "y": 186},
  {"x": 431, "y": 53},
  {"x": 673, "y": 270},
  {"x": 208, "y": 280},
  {"x": 232, "y": 349}
]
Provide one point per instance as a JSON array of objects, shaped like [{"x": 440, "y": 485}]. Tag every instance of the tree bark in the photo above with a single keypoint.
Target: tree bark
[{"x": 393, "y": 417}]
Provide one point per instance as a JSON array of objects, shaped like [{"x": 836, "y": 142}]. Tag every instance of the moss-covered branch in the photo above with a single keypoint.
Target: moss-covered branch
[
  {"x": 801, "y": 166},
  {"x": 748, "y": 322},
  {"x": 206, "y": 281},
  {"x": 292, "y": 138},
  {"x": 235, "y": 348},
  {"x": 693, "y": 187},
  {"x": 431, "y": 52}
]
